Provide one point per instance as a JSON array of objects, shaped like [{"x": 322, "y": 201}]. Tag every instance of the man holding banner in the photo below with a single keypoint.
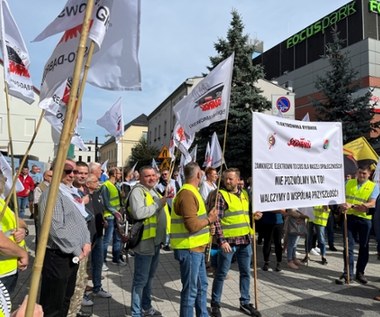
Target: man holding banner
[
  {"x": 233, "y": 233},
  {"x": 361, "y": 194}
]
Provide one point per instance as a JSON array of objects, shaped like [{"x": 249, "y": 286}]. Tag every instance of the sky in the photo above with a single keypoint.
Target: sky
[{"x": 176, "y": 41}]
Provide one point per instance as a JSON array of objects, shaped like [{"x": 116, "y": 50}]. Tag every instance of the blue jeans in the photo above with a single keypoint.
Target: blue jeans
[
  {"x": 22, "y": 203},
  {"x": 145, "y": 268},
  {"x": 96, "y": 264},
  {"x": 292, "y": 246},
  {"x": 361, "y": 227},
  {"x": 243, "y": 257},
  {"x": 111, "y": 234},
  {"x": 320, "y": 230},
  {"x": 194, "y": 283}
]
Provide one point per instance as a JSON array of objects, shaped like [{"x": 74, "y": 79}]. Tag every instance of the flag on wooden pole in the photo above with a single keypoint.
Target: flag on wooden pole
[
  {"x": 16, "y": 57},
  {"x": 113, "y": 120},
  {"x": 209, "y": 101}
]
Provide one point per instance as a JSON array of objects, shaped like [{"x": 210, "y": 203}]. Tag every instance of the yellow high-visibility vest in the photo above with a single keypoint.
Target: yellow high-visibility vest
[{"x": 180, "y": 237}]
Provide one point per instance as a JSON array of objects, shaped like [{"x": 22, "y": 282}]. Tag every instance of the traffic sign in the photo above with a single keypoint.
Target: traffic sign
[
  {"x": 283, "y": 104},
  {"x": 164, "y": 153},
  {"x": 165, "y": 164}
]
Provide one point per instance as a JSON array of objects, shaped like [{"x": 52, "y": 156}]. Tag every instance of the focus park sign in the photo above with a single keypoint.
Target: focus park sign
[
  {"x": 296, "y": 164},
  {"x": 321, "y": 25}
]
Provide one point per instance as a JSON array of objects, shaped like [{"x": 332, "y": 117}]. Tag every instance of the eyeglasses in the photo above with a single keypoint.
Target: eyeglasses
[{"x": 67, "y": 172}]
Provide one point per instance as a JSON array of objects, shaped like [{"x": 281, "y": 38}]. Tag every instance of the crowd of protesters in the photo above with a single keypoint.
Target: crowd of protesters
[{"x": 94, "y": 207}]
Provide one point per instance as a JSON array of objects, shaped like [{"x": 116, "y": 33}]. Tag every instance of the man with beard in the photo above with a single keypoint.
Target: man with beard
[{"x": 234, "y": 235}]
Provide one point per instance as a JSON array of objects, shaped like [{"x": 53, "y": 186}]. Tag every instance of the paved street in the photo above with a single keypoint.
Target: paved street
[{"x": 311, "y": 291}]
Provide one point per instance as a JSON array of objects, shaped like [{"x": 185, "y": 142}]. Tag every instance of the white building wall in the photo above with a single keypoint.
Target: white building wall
[{"x": 23, "y": 122}]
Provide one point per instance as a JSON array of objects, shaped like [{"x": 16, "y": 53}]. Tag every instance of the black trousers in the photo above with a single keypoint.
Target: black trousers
[
  {"x": 58, "y": 283},
  {"x": 272, "y": 233}
]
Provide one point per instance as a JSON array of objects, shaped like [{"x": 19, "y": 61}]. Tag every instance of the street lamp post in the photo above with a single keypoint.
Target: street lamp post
[{"x": 96, "y": 149}]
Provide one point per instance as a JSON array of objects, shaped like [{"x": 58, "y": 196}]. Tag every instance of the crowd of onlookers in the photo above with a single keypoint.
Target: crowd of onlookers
[{"x": 187, "y": 212}]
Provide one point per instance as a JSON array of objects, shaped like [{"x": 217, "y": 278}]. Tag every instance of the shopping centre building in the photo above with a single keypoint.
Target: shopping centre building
[{"x": 297, "y": 61}]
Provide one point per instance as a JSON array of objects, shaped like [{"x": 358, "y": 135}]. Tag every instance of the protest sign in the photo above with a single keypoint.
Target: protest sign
[{"x": 296, "y": 163}]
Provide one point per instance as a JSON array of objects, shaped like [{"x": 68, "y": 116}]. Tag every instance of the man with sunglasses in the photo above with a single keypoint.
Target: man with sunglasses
[{"x": 68, "y": 241}]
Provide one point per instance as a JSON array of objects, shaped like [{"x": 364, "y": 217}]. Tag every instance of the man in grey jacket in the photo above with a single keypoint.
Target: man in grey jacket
[{"x": 145, "y": 203}]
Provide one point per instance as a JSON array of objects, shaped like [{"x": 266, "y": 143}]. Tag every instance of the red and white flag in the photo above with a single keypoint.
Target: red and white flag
[
  {"x": 16, "y": 57},
  {"x": 56, "y": 121},
  {"x": 216, "y": 154},
  {"x": 60, "y": 65},
  {"x": 116, "y": 65},
  {"x": 182, "y": 140},
  {"x": 209, "y": 101},
  {"x": 113, "y": 120}
]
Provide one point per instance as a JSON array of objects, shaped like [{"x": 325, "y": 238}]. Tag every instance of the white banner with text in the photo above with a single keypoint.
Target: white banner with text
[{"x": 296, "y": 163}]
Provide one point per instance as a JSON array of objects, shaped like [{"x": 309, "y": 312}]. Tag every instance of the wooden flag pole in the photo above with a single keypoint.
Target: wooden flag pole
[
  {"x": 346, "y": 247},
  {"x": 254, "y": 258},
  {"x": 66, "y": 135},
  {"x": 219, "y": 179}
]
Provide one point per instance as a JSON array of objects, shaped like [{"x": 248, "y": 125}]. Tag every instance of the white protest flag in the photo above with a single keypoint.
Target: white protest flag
[
  {"x": 296, "y": 164},
  {"x": 60, "y": 65},
  {"x": 56, "y": 121},
  {"x": 181, "y": 166},
  {"x": 172, "y": 148},
  {"x": 104, "y": 166},
  {"x": 207, "y": 162},
  {"x": 216, "y": 156},
  {"x": 376, "y": 174},
  {"x": 193, "y": 153},
  {"x": 16, "y": 57},
  {"x": 209, "y": 101},
  {"x": 55, "y": 98},
  {"x": 134, "y": 167},
  {"x": 306, "y": 117},
  {"x": 182, "y": 140},
  {"x": 113, "y": 120},
  {"x": 7, "y": 172},
  {"x": 154, "y": 165},
  {"x": 116, "y": 66}
]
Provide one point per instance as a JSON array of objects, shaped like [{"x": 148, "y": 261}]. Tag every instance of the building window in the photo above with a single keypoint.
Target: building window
[
  {"x": 88, "y": 159},
  {"x": 159, "y": 131},
  {"x": 89, "y": 148},
  {"x": 165, "y": 127},
  {"x": 144, "y": 135},
  {"x": 30, "y": 125},
  {"x": 80, "y": 158}
]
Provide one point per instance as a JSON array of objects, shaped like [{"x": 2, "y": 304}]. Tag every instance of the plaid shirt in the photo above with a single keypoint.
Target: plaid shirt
[{"x": 221, "y": 207}]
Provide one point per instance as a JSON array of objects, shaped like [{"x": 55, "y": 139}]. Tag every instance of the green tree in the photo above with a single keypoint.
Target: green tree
[
  {"x": 341, "y": 102},
  {"x": 142, "y": 153},
  {"x": 244, "y": 97}
]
